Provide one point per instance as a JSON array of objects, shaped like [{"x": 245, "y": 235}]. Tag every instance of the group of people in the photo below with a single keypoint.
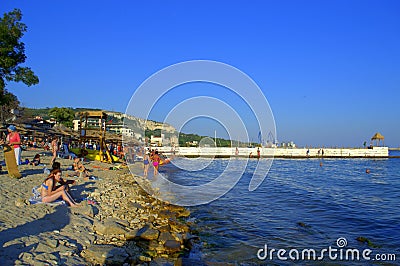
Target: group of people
[
  {"x": 53, "y": 186},
  {"x": 151, "y": 157},
  {"x": 155, "y": 158}
]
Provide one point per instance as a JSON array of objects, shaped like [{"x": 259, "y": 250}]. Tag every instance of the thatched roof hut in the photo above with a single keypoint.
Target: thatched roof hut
[{"x": 378, "y": 137}]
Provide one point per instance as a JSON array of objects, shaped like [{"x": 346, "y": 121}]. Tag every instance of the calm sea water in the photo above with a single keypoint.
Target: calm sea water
[{"x": 300, "y": 205}]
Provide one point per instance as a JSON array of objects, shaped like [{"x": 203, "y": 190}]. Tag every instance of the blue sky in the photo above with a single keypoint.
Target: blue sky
[{"x": 329, "y": 69}]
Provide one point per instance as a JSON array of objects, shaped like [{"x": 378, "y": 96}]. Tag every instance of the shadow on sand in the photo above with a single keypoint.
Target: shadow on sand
[
  {"x": 50, "y": 222},
  {"x": 56, "y": 220}
]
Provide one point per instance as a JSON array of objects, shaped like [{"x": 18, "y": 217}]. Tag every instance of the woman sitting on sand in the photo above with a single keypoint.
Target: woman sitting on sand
[
  {"x": 80, "y": 169},
  {"x": 50, "y": 193},
  {"x": 62, "y": 182}
]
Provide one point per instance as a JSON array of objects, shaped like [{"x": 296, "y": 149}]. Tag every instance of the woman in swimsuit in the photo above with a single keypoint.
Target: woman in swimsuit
[
  {"x": 146, "y": 164},
  {"x": 156, "y": 162},
  {"x": 50, "y": 193}
]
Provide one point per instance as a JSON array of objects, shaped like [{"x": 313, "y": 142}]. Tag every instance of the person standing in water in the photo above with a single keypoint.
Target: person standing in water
[
  {"x": 146, "y": 164},
  {"x": 156, "y": 162}
]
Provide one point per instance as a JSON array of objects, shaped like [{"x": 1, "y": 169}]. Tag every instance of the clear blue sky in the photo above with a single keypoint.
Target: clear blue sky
[{"x": 329, "y": 69}]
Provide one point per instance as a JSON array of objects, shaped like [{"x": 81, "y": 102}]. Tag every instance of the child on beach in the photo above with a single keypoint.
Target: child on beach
[{"x": 51, "y": 193}]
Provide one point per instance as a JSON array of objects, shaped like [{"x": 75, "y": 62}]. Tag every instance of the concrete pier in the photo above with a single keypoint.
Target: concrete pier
[{"x": 223, "y": 152}]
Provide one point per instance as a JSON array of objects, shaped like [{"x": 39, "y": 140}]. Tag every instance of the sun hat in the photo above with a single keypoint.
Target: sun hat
[{"x": 12, "y": 128}]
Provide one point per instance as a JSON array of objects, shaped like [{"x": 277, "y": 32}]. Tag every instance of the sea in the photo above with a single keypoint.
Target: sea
[{"x": 313, "y": 211}]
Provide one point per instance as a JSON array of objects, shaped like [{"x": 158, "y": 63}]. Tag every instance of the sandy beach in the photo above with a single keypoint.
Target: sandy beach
[{"x": 117, "y": 222}]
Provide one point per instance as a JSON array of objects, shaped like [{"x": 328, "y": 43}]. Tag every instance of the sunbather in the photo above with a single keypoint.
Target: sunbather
[
  {"x": 80, "y": 169},
  {"x": 62, "y": 182},
  {"x": 50, "y": 193},
  {"x": 36, "y": 160}
]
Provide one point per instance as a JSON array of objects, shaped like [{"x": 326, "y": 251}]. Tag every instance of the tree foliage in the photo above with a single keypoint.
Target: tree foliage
[
  {"x": 12, "y": 55},
  {"x": 63, "y": 115}
]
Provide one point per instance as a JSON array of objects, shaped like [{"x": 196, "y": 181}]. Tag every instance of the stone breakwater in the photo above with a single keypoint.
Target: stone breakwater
[
  {"x": 226, "y": 152},
  {"x": 118, "y": 224}
]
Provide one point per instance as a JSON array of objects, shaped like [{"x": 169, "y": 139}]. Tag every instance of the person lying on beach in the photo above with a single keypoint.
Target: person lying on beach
[
  {"x": 80, "y": 169},
  {"x": 36, "y": 160},
  {"x": 50, "y": 193}
]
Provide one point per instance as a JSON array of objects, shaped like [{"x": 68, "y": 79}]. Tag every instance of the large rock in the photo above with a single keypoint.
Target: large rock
[
  {"x": 47, "y": 258},
  {"x": 51, "y": 242},
  {"x": 165, "y": 236},
  {"x": 184, "y": 213},
  {"x": 84, "y": 209},
  {"x": 148, "y": 233},
  {"x": 131, "y": 234},
  {"x": 109, "y": 227},
  {"x": 172, "y": 245},
  {"x": 43, "y": 248},
  {"x": 165, "y": 214},
  {"x": 105, "y": 254},
  {"x": 177, "y": 226}
]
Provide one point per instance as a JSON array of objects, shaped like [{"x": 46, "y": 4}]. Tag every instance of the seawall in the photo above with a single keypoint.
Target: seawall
[{"x": 375, "y": 152}]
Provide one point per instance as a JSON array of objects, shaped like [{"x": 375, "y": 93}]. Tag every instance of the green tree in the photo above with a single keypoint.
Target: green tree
[
  {"x": 63, "y": 115},
  {"x": 12, "y": 55}
]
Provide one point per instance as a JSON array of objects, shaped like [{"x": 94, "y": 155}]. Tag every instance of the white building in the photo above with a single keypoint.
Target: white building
[
  {"x": 92, "y": 123},
  {"x": 157, "y": 140}
]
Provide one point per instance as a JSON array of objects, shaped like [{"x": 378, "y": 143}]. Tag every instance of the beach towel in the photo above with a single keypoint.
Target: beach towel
[{"x": 37, "y": 198}]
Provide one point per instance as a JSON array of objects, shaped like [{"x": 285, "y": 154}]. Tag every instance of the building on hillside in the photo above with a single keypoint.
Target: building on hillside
[
  {"x": 92, "y": 123},
  {"x": 174, "y": 141},
  {"x": 123, "y": 130},
  {"x": 193, "y": 143},
  {"x": 117, "y": 128},
  {"x": 37, "y": 122},
  {"x": 156, "y": 140}
]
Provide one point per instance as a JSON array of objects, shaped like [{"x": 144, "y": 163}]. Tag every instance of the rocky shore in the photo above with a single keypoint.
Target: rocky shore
[{"x": 117, "y": 223}]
